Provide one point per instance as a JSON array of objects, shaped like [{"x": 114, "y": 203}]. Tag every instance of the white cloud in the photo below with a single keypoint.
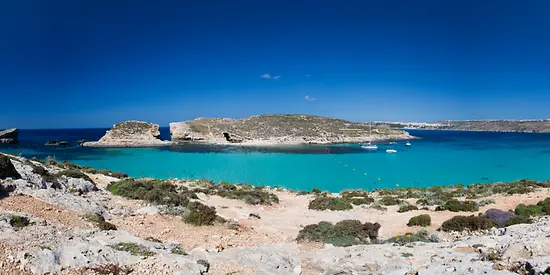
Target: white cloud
[
  {"x": 276, "y": 77},
  {"x": 266, "y": 76},
  {"x": 308, "y": 98}
]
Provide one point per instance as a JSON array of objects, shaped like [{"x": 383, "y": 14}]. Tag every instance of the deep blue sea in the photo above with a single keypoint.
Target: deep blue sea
[{"x": 437, "y": 158}]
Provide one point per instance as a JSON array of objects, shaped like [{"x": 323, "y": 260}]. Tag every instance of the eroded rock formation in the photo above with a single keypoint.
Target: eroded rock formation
[{"x": 130, "y": 134}]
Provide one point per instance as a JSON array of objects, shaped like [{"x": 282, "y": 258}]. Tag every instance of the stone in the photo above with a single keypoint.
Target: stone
[
  {"x": 9, "y": 136},
  {"x": 7, "y": 170}
]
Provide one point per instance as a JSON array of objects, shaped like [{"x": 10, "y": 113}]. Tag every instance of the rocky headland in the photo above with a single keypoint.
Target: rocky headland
[
  {"x": 9, "y": 136},
  {"x": 61, "y": 218},
  {"x": 130, "y": 134},
  {"x": 280, "y": 129},
  {"x": 520, "y": 126}
]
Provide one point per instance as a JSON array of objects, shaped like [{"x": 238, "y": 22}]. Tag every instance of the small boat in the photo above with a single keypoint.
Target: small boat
[
  {"x": 391, "y": 151},
  {"x": 408, "y": 144},
  {"x": 369, "y": 146},
  {"x": 393, "y": 142}
]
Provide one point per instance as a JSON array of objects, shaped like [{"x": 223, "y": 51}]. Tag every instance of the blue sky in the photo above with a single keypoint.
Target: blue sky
[{"x": 94, "y": 63}]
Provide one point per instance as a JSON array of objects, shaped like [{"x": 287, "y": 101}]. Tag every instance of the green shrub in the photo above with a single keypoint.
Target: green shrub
[
  {"x": 316, "y": 191},
  {"x": 545, "y": 204},
  {"x": 178, "y": 250},
  {"x": 246, "y": 193},
  {"x": 19, "y": 221},
  {"x": 155, "y": 191},
  {"x": 518, "y": 220},
  {"x": 361, "y": 201},
  {"x": 335, "y": 204},
  {"x": 343, "y": 233},
  {"x": 37, "y": 169},
  {"x": 110, "y": 269},
  {"x": 388, "y": 201},
  {"x": 71, "y": 173},
  {"x": 471, "y": 223},
  {"x": 421, "y": 236},
  {"x": 529, "y": 210},
  {"x": 200, "y": 214},
  {"x": 302, "y": 193},
  {"x": 134, "y": 249},
  {"x": 407, "y": 208},
  {"x": 461, "y": 206},
  {"x": 348, "y": 194},
  {"x": 420, "y": 220},
  {"x": 99, "y": 221}
]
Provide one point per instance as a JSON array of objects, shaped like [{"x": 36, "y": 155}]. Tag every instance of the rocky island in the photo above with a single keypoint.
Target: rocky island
[
  {"x": 130, "y": 134},
  {"x": 9, "y": 136},
  {"x": 280, "y": 129},
  {"x": 61, "y": 218}
]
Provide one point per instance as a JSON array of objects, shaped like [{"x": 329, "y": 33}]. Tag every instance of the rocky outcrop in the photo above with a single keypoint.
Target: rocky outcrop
[
  {"x": 7, "y": 170},
  {"x": 9, "y": 136},
  {"x": 130, "y": 134},
  {"x": 280, "y": 129}
]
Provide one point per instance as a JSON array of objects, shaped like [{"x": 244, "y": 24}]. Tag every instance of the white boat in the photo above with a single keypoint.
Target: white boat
[
  {"x": 369, "y": 146},
  {"x": 393, "y": 142},
  {"x": 408, "y": 144},
  {"x": 391, "y": 151}
]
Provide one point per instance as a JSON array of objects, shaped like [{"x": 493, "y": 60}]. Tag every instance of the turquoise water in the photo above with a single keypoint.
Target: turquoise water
[{"x": 439, "y": 158}]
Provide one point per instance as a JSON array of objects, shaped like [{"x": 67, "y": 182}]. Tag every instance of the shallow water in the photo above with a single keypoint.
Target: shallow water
[{"x": 438, "y": 158}]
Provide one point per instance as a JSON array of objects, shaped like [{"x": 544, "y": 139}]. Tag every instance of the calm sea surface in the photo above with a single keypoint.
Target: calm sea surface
[{"x": 438, "y": 158}]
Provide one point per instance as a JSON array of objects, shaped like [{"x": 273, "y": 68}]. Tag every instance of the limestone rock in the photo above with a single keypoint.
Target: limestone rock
[
  {"x": 9, "y": 136},
  {"x": 130, "y": 134},
  {"x": 280, "y": 129},
  {"x": 7, "y": 170}
]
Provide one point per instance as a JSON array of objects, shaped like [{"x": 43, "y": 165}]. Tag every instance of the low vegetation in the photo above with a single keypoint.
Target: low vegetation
[
  {"x": 109, "y": 269},
  {"x": 357, "y": 197},
  {"x": 245, "y": 192},
  {"x": 420, "y": 220},
  {"x": 455, "y": 205},
  {"x": 99, "y": 221},
  {"x": 388, "y": 201},
  {"x": 134, "y": 249},
  {"x": 343, "y": 233},
  {"x": 361, "y": 201},
  {"x": 19, "y": 221},
  {"x": 421, "y": 236},
  {"x": 518, "y": 220},
  {"x": 154, "y": 191},
  {"x": 470, "y": 223},
  {"x": 200, "y": 214},
  {"x": 406, "y": 208},
  {"x": 72, "y": 173},
  {"x": 178, "y": 250},
  {"x": 327, "y": 203}
]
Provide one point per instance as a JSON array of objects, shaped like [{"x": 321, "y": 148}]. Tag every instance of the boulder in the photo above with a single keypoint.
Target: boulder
[
  {"x": 9, "y": 136},
  {"x": 7, "y": 170}
]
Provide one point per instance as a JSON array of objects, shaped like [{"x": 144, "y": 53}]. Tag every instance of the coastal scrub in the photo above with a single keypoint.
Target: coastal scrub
[
  {"x": 327, "y": 203},
  {"x": 343, "y": 233}
]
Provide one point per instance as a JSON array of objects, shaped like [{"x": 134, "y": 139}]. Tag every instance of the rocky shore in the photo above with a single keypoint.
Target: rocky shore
[
  {"x": 280, "y": 129},
  {"x": 60, "y": 218},
  {"x": 513, "y": 126},
  {"x": 130, "y": 134}
]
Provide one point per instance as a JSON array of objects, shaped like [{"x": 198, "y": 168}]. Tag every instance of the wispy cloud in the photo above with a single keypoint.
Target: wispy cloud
[
  {"x": 268, "y": 76},
  {"x": 307, "y": 74},
  {"x": 308, "y": 98}
]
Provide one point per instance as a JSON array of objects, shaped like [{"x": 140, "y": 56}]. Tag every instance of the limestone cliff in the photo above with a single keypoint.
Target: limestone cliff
[
  {"x": 280, "y": 129},
  {"x": 130, "y": 134},
  {"x": 9, "y": 136}
]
